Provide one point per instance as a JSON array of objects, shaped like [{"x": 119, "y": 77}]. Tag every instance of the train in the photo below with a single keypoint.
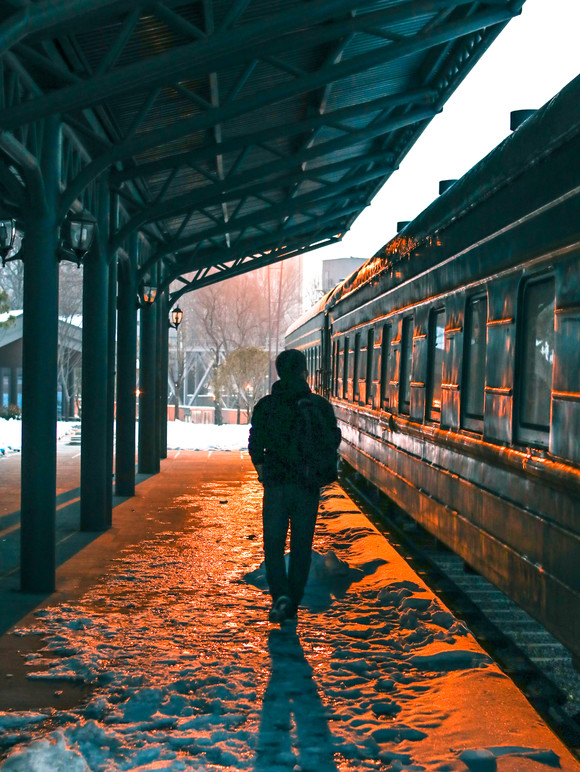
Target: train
[{"x": 452, "y": 360}]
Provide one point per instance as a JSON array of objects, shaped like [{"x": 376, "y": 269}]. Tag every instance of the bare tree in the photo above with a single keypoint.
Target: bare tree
[
  {"x": 247, "y": 371},
  {"x": 313, "y": 293},
  {"x": 230, "y": 314},
  {"x": 70, "y": 308},
  {"x": 181, "y": 358},
  {"x": 12, "y": 282},
  {"x": 251, "y": 310},
  {"x": 4, "y": 302}
]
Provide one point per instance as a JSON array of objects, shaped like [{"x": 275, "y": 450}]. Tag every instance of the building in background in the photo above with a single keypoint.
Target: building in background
[
  {"x": 335, "y": 271},
  {"x": 69, "y": 365}
]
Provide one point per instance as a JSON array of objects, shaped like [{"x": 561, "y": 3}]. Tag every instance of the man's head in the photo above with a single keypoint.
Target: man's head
[{"x": 291, "y": 364}]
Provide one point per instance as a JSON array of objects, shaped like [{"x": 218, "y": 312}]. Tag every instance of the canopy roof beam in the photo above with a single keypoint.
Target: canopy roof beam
[
  {"x": 247, "y": 141},
  {"x": 225, "y": 48},
  {"x": 343, "y": 69},
  {"x": 238, "y": 185},
  {"x": 185, "y": 259},
  {"x": 171, "y": 67},
  {"x": 291, "y": 206}
]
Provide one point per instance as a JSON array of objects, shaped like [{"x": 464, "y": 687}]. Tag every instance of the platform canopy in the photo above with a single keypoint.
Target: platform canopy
[{"x": 235, "y": 132}]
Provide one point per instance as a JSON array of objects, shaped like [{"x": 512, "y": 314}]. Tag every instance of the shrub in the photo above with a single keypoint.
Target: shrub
[{"x": 11, "y": 411}]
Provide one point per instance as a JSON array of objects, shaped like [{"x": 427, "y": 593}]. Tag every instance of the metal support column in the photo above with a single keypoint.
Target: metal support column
[
  {"x": 111, "y": 351},
  {"x": 148, "y": 452},
  {"x": 96, "y": 476},
  {"x": 39, "y": 377},
  {"x": 127, "y": 374},
  {"x": 162, "y": 386}
]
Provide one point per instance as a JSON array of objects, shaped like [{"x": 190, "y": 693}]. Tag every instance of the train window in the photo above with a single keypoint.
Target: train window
[
  {"x": 385, "y": 349},
  {"x": 338, "y": 374},
  {"x": 336, "y": 367},
  {"x": 351, "y": 371},
  {"x": 339, "y": 368},
  {"x": 362, "y": 370},
  {"x": 332, "y": 366},
  {"x": 355, "y": 374},
  {"x": 369, "y": 367},
  {"x": 475, "y": 342},
  {"x": 536, "y": 360},
  {"x": 315, "y": 368},
  {"x": 436, "y": 345},
  {"x": 375, "y": 398},
  {"x": 406, "y": 366},
  {"x": 345, "y": 370}
]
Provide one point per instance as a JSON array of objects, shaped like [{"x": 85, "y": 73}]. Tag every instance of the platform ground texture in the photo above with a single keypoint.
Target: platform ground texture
[{"x": 165, "y": 659}]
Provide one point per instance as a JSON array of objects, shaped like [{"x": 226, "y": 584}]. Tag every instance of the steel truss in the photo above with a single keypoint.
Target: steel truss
[{"x": 270, "y": 135}]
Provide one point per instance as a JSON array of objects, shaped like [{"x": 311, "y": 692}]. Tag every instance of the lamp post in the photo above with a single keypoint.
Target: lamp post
[
  {"x": 176, "y": 317},
  {"x": 148, "y": 446},
  {"x": 147, "y": 294},
  {"x": 77, "y": 235},
  {"x": 10, "y": 240}
]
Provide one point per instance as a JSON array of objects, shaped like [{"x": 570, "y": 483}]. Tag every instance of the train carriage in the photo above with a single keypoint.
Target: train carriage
[{"x": 452, "y": 358}]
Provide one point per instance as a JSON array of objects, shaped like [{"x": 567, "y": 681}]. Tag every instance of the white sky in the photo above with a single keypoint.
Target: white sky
[{"x": 534, "y": 57}]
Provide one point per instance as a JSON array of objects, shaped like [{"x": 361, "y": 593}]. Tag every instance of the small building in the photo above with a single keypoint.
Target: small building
[{"x": 69, "y": 356}]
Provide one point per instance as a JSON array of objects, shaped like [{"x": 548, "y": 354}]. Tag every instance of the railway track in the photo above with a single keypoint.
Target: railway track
[{"x": 539, "y": 665}]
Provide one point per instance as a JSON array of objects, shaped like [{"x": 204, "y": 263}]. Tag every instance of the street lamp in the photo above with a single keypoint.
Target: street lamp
[
  {"x": 147, "y": 294},
  {"x": 77, "y": 235},
  {"x": 10, "y": 240},
  {"x": 176, "y": 317}
]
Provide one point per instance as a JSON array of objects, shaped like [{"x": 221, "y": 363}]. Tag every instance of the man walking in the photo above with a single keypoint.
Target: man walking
[{"x": 293, "y": 437}]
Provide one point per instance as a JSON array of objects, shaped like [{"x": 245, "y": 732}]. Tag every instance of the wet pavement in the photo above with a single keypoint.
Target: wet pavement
[
  {"x": 68, "y": 475},
  {"x": 156, "y": 653}
]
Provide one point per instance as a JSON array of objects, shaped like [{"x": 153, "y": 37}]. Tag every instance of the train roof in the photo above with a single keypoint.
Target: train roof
[{"x": 549, "y": 127}]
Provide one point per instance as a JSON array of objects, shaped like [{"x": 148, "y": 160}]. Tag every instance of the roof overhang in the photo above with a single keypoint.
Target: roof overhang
[{"x": 235, "y": 133}]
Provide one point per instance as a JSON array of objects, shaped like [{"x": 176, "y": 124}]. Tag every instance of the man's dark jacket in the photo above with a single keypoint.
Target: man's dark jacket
[{"x": 273, "y": 442}]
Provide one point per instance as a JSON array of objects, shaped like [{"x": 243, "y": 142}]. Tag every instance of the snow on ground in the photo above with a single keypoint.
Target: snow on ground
[
  {"x": 11, "y": 434},
  {"x": 189, "y": 436},
  {"x": 180, "y": 435},
  {"x": 187, "y": 674}
]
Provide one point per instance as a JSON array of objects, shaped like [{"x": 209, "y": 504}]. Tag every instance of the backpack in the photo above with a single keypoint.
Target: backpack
[{"x": 318, "y": 443}]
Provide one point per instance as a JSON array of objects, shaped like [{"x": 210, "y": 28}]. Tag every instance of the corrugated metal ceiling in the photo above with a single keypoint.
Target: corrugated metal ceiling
[{"x": 201, "y": 102}]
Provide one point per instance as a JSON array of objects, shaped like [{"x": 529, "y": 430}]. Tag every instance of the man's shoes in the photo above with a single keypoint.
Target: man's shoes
[{"x": 281, "y": 609}]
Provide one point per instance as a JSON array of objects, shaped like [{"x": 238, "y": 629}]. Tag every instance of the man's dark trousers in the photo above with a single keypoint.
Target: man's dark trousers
[{"x": 297, "y": 505}]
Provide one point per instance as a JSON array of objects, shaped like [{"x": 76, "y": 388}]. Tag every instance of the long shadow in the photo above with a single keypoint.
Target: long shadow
[
  {"x": 69, "y": 541},
  {"x": 11, "y": 519},
  {"x": 291, "y": 697}
]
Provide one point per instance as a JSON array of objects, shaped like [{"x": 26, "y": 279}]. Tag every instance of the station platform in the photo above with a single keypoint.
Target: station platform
[{"x": 155, "y": 653}]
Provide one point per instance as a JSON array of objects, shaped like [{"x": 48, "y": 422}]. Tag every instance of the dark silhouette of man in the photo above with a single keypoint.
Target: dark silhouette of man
[{"x": 291, "y": 494}]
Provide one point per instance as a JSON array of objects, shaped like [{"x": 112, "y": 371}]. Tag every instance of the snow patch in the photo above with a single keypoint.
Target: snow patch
[
  {"x": 182, "y": 435},
  {"x": 46, "y": 756},
  {"x": 485, "y": 759},
  {"x": 10, "y": 721},
  {"x": 11, "y": 434}
]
